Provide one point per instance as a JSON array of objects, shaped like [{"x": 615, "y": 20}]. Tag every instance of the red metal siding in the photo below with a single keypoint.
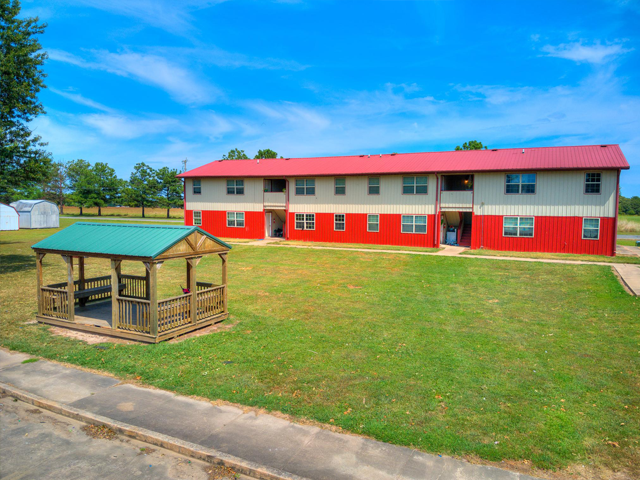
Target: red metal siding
[
  {"x": 356, "y": 231},
  {"x": 215, "y": 222},
  {"x": 551, "y": 234}
]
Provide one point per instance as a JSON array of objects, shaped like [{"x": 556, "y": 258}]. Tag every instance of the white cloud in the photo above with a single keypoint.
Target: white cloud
[
  {"x": 183, "y": 85},
  {"x": 582, "y": 53},
  {"x": 80, "y": 100},
  {"x": 124, "y": 127}
]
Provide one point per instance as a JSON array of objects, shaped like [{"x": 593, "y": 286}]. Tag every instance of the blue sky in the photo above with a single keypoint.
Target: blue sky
[{"x": 159, "y": 80}]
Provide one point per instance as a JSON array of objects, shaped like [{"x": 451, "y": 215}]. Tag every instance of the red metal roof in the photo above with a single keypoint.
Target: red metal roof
[{"x": 587, "y": 157}]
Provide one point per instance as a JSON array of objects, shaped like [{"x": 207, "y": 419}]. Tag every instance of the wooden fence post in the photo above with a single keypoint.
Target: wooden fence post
[
  {"x": 115, "y": 292},
  {"x": 193, "y": 263},
  {"x": 39, "y": 257},
  {"x": 152, "y": 269},
  {"x": 70, "y": 288}
]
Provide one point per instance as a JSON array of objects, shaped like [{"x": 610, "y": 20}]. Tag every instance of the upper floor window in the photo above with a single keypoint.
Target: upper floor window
[
  {"x": 374, "y": 185},
  {"x": 520, "y": 183},
  {"x": 197, "y": 218},
  {"x": 305, "y": 221},
  {"x": 590, "y": 228},
  {"x": 414, "y": 185},
  {"x": 340, "y": 186},
  {"x": 197, "y": 189},
  {"x": 414, "y": 224},
  {"x": 592, "y": 182},
  {"x": 517, "y": 226},
  {"x": 235, "y": 219},
  {"x": 305, "y": 186},
  {"x": 339, "y": 222},
  {"x": 235, "y": 187}
]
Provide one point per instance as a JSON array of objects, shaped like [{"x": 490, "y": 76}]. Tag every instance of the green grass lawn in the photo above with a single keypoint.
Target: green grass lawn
[
  {"x": 365, "y": 246},
  {"x": 556, "y": 256},
  {"x": 476, "y": 358},
  {"x": 626, "y": 242}
]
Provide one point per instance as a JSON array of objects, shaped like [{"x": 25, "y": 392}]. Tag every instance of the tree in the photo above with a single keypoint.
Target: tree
[
  {"x": 143, "y": 188},
  {"x": 23, "y": 160},
  {"x": 107, "y": 187},
  {"x": 82, "y": 184},
  {"x": 56, "y": 186},
  {"x": 267, "y": 153},
  {"x": 234, "y": 154},
  {"x": 472, "y": 145},
  {"x": 171, "y": 188}
]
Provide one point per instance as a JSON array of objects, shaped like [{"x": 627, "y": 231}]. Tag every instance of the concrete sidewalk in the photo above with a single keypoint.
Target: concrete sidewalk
[{"x": 278, "y": 449}]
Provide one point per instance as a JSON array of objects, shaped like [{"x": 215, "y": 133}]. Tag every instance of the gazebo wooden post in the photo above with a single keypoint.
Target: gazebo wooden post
[
  {"x": 193, "y": 287},
  {"x": 70, "y": 288},
  {"x": 152, "y": 269},
  {"x": 115, "y": 282},
  {"x": 223, "y": 257},
  {"x": 39, "y": 258}
]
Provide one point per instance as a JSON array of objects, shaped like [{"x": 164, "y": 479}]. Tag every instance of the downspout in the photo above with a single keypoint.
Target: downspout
[
  {"x": 286, "y": 210},
  {"x": 436, "y": 242},
  {"x": 615, "y": 224}
]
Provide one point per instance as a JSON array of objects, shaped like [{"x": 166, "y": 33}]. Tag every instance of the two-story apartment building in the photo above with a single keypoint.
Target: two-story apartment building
[{"x": 551, "y": 199}]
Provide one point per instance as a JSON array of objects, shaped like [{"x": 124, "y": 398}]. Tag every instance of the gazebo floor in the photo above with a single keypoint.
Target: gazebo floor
[{"x": 98, "y": 314}]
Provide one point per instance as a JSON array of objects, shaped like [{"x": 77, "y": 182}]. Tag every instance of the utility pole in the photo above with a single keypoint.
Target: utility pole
[{"x": 184, "y": 165}]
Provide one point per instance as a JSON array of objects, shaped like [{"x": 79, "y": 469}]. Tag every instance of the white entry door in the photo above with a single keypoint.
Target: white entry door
[{"x": 267, "y": 224}]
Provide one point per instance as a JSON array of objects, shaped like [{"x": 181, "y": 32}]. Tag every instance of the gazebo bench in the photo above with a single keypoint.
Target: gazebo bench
[{"x": 83, "y": 295}]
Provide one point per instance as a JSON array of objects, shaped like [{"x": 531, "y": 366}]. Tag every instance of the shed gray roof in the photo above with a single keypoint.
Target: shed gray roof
[{"x": 27, "y": 205}]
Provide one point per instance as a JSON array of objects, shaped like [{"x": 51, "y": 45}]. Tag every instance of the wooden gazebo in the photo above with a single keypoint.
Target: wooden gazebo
[{"x": 134, "y": 311}]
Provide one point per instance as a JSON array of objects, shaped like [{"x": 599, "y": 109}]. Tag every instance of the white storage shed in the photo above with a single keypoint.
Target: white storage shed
[
  {"x": 37, "y": 214},
  {"x": 8, "y": 217}
]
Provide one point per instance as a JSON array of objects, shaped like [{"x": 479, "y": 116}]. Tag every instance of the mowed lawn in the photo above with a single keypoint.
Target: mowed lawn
[{"x": 458, "y": 356}]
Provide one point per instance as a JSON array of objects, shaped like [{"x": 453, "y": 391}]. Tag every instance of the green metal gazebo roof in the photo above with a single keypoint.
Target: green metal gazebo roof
[{"x": 129, "y": 240}]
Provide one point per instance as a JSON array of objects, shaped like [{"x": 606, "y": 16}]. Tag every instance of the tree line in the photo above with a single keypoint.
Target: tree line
[{"x": 82, "y": 185}]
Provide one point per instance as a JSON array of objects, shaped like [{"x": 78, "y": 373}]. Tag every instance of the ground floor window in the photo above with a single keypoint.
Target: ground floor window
[
  {"x": 197, "y": 218},
  {"x": 235, "y": 219},
  {"x": 517, "y": 226},
  {"x": 590, "y": 228},
  {"x": 373, "y": 223},
  {"x": 414, "y": 224},
  {"x": 339, "y": 222},
  {"x": 305, "y": 221}
]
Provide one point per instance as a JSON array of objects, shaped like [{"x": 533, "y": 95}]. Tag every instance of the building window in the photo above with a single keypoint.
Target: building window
[
  {"x": 306, "y": 186},
  {"x": 590, "y": 228},
  {"x": 414, "y": 224},
  {"x": 520, "y": 183},
  {"x": 373, "y": 223},
  {"x": 340, "y": 186},
  {"x": 197, "y": 218},
  {"x": 517, "y": 226},
  {"x": 592, "y": 182},
  {"x": 235, "y": 187},
  {"x": 305, "y": 221},
  {"x": 339, "y": 220},
  {"x": 235, "y": 219},
  {"x": 414, "y": 185},
  {"x": 374, "y": 185},
  {"x": 197, "y": 189}
]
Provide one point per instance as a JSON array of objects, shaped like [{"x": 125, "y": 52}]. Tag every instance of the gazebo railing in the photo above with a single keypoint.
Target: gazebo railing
[
  {"x": 135, "y": 286},
  {"x": 89, "y": 283},
  {"x": 210, "y": 302},
  {"x": 174, "y": 312},
  {"x": 134, "y": 315},
  {"x": 55, "y": 302}
]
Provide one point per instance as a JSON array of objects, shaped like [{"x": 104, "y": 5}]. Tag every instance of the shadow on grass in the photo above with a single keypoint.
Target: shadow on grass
[{"x": 16, "y": 263}]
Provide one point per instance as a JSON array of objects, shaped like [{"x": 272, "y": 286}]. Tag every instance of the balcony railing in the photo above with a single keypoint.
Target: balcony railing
[
  {"x": 275, "y": 200},
  {"x": 456, "y": 200}
]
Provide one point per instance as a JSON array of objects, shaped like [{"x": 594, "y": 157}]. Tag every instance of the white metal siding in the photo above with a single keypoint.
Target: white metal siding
[
  {"x": 214, "y": 196},
  {"x": 8, "y": 218},
  {"x": 44, "y": 215},
  {"x": 357, "y": 200},
  {"x": 558, "y": 194},
  {"x": 453, "y": 200}
]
